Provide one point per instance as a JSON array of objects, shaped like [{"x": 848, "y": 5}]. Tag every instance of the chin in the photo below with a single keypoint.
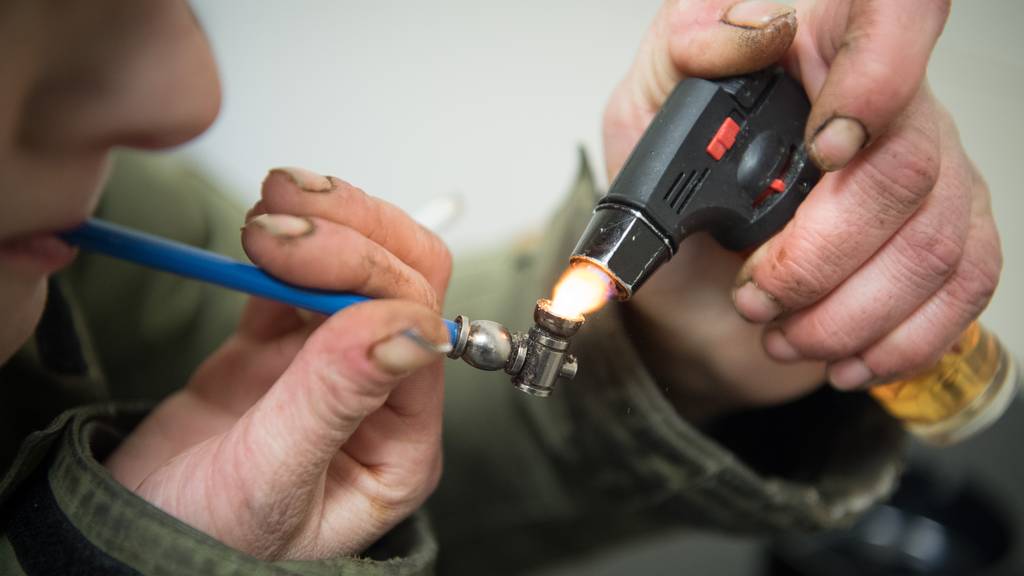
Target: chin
[{"x": 21, "y": 303}]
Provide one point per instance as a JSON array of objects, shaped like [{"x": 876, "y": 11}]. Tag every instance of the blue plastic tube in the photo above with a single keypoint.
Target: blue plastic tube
[{"x": 177, "y": 258}]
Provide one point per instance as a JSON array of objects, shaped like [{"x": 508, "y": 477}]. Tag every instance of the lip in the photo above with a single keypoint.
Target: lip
[{"x": 41, "y": 252}]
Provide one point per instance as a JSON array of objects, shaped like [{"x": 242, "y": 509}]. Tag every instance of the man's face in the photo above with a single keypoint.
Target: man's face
[{"x": 80, "y": 77}]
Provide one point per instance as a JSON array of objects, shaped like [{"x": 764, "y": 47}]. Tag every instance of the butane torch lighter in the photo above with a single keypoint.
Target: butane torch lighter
[
  {"x": 721, "y": 155},
  {"x": 727, "y": 156}
]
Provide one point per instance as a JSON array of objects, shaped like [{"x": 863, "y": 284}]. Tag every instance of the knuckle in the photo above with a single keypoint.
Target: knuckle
[
  {"x": 874, "y": 70},
  {"x": 344, "y": 398},
  {"x": 403, "y": 495},
  {"x": 926, "y": 255},
  {"x": 975, "y": 280},
  {"x": 913, "y": 359},
  {"x": 370, "y": 267},
  {"x": 346, "y": 191},
  {"x": 974, "y": 284},
  {"x": 906, "y": 357},
  {"x": 380, "y": 274},
  {"x": 960, "y": 177},
  {"x": 433, "y": 261},
  {"x": 431, "y": 249},
  {"x": 389, "y": 501},
  {"x": 358, "y": 202},
  {"x": 902, "y": 174},
  {"x": 822, "y": 334},
  {"x": 992, "y": 247},
  {"x": 428, "y": 296},
  {"x": 344, "y": 382},
  {"x": 410, "y": 284},
  {"x": 395, "y": 495}
]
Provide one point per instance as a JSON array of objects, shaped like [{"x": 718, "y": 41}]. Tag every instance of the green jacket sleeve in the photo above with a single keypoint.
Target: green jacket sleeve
[
  {"x": 132, "y": 335},
  {"x": 71, "y": 517},
  {"x": 607, "y": 457}
]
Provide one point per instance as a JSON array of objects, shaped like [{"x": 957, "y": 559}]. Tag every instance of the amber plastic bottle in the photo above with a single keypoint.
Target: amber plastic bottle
[{"x": 968, "y": 390}]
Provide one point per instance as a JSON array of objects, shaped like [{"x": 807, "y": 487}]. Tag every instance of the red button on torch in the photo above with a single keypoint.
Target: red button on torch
[{"x": 723, "y": 139}]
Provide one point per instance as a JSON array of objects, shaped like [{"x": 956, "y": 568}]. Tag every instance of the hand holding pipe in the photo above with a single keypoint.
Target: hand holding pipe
[
  {"x": 483, "y": 344},
  {"x": 184, "y": 260},
  {"x": 726, "y": 156}
]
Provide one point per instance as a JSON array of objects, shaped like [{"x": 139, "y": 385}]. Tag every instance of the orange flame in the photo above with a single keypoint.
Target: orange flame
[{"x": 582, "y": 289}]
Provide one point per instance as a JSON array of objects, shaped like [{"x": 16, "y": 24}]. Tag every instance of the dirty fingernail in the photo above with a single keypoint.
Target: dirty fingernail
[
  {"x": 418, "y": 337},
  {"x": 779, "y": 347},
  {"x": 256, "y": 210},
  {"x": 305, "y": 179},
  {"x": 755, "y": 304},
  {"x": 756, "y": 13},
  {"x": 837, "y": 143},
  {"x": 283, "y": 225},
  {"x": 850, "y": 374},
  {"x": 752, "y": 262},
  {"x": 401, "y": 354}
]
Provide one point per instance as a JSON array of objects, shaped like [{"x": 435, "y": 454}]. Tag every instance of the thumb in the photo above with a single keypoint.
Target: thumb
[
  {"x": 344, "y": 373},
  {"x": 877, "y": 54},
  {"x": 706, "y": 38}
]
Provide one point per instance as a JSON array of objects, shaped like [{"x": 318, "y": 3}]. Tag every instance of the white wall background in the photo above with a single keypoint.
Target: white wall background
[{"x": 411, "y": 100}]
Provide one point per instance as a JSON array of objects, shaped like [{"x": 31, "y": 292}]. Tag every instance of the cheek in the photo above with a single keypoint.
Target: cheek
[{"x": 21, "y": 304}]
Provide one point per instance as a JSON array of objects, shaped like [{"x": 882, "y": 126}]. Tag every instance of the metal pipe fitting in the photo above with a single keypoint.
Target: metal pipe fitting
[
  {"x": 536, "y": 359},
  {"x": 488, "y": 344}
]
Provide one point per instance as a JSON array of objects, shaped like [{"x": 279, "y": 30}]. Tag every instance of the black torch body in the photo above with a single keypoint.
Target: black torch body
[{"x": 725, "y": 156}]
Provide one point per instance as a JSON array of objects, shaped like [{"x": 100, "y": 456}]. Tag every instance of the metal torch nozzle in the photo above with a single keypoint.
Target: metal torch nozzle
[{"x": 535, "y": 359}]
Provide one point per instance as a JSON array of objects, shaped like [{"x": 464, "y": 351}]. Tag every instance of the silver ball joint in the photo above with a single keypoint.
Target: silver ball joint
[{"x": 535, "y": 359}]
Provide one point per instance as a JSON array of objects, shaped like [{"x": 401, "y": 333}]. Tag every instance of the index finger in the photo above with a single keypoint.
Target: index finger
[
  {"x": 318, "y": 253},
  {"x": 303, "y": 193}
]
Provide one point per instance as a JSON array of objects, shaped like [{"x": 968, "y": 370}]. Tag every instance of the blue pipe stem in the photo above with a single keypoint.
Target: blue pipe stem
[{"x": 162, "y": 254}]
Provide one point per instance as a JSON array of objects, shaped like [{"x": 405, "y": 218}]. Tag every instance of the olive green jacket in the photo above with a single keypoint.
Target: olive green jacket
[{"x": 528, "y": 482}]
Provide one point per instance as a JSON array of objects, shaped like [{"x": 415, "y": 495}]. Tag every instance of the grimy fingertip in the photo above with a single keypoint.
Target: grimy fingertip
[
  {"x": 402, "y": 354},
  {"x": 757, "y": 14},
  {"x": 836, "y": 143},
  {"x": 765, "y": 31},
  {"x": 304, "y": 179},
  {"x": 284, "y": 226}
]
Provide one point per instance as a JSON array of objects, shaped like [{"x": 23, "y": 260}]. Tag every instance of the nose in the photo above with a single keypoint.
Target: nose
[{"x": 140, "y": 75}]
